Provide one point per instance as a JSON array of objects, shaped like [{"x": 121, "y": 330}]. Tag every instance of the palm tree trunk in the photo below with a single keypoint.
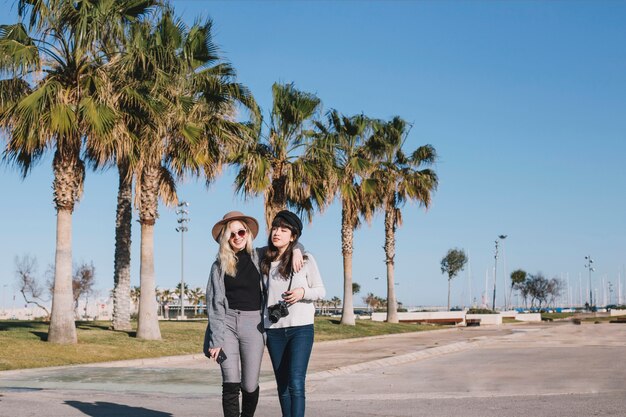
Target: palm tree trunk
[
  {"x": 347, "y": 238},
  {"x": 275, "y": 200},
  {"x": 69, "y": 175},
  {"x": 148, "y": 321},
  {"x": 121, "y": 265},
  {"x": 62, "y": 328},
  {"x": 449, "y": 284},
  {"x": 390, "y": 253}
]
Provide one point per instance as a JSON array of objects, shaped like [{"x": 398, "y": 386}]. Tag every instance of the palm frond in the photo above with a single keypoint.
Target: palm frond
[
  {"x": 167, "y": 187},
  {"x": 18, "y": 52}
]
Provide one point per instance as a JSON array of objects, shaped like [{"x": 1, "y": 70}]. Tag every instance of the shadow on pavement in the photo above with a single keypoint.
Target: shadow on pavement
[{"x": 105, "y": 409}]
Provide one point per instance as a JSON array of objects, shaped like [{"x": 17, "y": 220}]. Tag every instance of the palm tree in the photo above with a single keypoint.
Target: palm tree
[
  {"x": 53, "y": 99},
  {"x": 182, "y": 295},
  {"x": 277, "y": 165},
  {"x": 164, "y": 296},
  {"x": 381, "y": 303},
  {"x": 340, "y": 150},
  {"x": 134, "y": 117},
  {"x": 121, "y": 150},
  {"x": 399, "y": 178},
  {"x": 135, "y": 294},
  {"x": 371, "y": 301},
  {"x": 176, "y": 77},
  {"x": 195, "y": 296}
]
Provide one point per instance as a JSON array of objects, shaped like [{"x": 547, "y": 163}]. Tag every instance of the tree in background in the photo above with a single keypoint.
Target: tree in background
[
  {"x": 452, "y": 264},
  {"x": 195, "y": 297},
  {"x": 164, "y": 296},
  {"x": 540, "y": 290},
  {"x": 517, "y": 278},
  {"x": 555, "y": 290},
  {"x": 28, "y": 284},
  {"x": 185, "y": 294},
  {"x": 383, "y": 303},
  {"x": 135, "y": 294},
  {"x": 83, "y": 281},
  {"x": 371, "y": 301},
  {"x": 537, "y": 286},
  {"x": 399, "y": 178}
]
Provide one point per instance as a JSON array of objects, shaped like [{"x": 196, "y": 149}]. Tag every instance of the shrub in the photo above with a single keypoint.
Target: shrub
[{"x": 481, "y": 311}]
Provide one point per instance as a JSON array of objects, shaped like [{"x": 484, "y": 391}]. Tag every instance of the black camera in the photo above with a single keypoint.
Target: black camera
[{"x": 277, "y": 311}]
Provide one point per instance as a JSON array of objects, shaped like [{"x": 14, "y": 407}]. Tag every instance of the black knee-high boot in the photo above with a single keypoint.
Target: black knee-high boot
[
  {"x": 230, "y": 399},
  {"x": 249, "y": 401}
]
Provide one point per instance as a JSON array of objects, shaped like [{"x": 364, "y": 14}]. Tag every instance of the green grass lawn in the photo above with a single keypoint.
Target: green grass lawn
[
  {"x": 23, "y": 345},
  {"x": 555, "y": 316},
  {"x": 508, "y": 320}
]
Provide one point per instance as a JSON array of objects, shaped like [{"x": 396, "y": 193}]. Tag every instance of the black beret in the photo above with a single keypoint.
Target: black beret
[{"x": 291, "y": 219}]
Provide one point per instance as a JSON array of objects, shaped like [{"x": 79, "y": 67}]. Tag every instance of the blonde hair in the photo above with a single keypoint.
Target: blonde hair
[{"x": 226, "y": 254}]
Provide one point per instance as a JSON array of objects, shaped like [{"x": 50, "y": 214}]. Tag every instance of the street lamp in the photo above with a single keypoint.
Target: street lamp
[
  {"x": 182, "y": 228},
  {"x": 495, "y": 269},
  {"x": 589, "y": 266}
]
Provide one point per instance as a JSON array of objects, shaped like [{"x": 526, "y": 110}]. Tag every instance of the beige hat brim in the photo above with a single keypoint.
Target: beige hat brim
[{"x": 251, "y": 222}]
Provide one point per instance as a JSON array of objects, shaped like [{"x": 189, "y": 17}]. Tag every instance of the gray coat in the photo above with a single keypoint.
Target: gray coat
[{"x": 217, "y": 304}]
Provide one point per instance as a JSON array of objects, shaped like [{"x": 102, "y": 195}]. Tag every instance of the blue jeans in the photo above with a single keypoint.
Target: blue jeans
[{"x": 290, "y": 350}]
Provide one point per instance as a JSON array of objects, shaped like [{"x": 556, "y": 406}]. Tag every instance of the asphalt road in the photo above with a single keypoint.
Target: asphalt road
[{"x": 551, "y": 370}]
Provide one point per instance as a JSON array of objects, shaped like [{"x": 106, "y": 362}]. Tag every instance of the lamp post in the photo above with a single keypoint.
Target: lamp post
[
  {"x": 182, "y": 228},
  {"x": 495, "y": 269},
  {"x": 589, "y": 266}
]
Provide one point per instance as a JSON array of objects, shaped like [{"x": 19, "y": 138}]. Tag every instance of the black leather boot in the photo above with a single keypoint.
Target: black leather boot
[
  {"x": 230, "y": 399},
  {"x": 249, "y": 401}
]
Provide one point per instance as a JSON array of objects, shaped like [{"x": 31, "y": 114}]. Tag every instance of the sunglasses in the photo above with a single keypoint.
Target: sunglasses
[{"x": 240, "y": 233}]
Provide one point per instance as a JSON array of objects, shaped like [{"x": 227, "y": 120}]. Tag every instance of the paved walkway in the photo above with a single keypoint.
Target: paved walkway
[{"x": 508, "y": 370}]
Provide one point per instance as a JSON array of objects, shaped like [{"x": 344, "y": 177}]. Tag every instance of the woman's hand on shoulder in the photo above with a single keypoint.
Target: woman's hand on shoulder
[{"x": 297, "y": 260}]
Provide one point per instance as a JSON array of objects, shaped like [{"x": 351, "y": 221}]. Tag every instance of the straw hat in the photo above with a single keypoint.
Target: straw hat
[{"x": 251, "y": 222}]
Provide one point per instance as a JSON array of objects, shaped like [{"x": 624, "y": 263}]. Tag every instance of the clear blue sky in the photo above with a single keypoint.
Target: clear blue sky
[{"x": 525, "y": 103}]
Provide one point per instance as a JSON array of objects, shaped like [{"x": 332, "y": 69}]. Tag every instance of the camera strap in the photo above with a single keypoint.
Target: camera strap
[
  {"x": 265, "y": 287},
  {"x": 290, "y": 280}
]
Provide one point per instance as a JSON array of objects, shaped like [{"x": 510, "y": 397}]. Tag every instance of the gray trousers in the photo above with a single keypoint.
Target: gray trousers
[{"x": 244, "y": 342}]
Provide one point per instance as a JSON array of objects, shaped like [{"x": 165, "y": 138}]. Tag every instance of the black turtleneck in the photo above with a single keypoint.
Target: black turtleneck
[{"x": 243, "y": 291}]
